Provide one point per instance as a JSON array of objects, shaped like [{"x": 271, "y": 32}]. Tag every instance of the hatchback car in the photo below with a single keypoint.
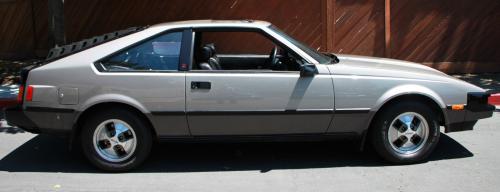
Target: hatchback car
[{"x": 235, "y": 81}]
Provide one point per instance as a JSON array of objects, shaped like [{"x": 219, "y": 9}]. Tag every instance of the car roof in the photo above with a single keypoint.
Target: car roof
[
  {"x": 215, "y": 23},
  {"x": 72, "y": 48}
]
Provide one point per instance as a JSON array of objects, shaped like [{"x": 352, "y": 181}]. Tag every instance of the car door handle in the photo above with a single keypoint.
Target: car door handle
[{"x": 201, "y": 85}]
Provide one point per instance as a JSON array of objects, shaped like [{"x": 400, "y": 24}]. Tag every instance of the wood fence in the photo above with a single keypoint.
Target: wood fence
[{"x": 455, "y": 36}]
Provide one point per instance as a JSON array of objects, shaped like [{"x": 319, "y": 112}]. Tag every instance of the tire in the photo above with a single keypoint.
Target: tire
[
  {"x": 398, "y": 145},
  {"x": 114, "y": 155}
]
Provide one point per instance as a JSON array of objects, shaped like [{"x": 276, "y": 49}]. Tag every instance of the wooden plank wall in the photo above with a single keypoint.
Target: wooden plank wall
[
  {"x": 454, "y": 36},
  {"x": 94, "y": 17},
  {"x": 23, "y": 28},
  {"x": 359, "y": 27}
]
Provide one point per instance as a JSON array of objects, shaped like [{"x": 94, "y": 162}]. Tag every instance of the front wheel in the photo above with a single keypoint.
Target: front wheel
[
  {"x": 116, "y": 140},
  {"x": 405, "y": 132}
]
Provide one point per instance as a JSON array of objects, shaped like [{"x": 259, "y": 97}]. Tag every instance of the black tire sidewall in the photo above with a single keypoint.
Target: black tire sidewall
[
  {"x": 142, "y": 132},
  {"x": 382, "y": 124}
]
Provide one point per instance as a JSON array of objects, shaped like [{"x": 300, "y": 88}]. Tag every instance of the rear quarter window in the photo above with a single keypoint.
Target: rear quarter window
[{"x": 158, "y": 54}]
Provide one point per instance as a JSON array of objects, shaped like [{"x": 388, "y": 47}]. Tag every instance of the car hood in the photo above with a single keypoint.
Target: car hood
[
  {"x": 382, "y": 67},
  {"x": 380, "y": 64}
]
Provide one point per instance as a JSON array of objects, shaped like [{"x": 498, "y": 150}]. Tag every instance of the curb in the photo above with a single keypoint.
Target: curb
[{"x": 494, "y": 99}]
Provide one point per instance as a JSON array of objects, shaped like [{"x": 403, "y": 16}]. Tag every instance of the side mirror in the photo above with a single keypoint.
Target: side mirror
[{"x": 308, "y": 70}]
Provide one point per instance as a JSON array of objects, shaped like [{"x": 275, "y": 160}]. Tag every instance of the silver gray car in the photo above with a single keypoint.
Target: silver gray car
[{"x": 117, "y": 93}]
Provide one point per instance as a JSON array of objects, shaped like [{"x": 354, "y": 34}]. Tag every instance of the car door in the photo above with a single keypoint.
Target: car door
[{"x": 258, "y": 102}]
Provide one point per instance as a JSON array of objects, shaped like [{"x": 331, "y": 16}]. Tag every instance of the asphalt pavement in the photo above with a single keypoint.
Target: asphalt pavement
[{"x": 465, "y": 161}]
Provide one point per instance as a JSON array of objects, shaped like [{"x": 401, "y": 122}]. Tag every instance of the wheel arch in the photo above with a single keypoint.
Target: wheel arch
[
  {"x": 409, "y": 89},
  {"x": 412, "y": 97},
  {"x": 411, "y": 92},
  {"x": 407, "y": 93},
  {"x": 403, "y": 98},
  {"x": 112, "y": 98},
  {"x": 105, "y": 105}
]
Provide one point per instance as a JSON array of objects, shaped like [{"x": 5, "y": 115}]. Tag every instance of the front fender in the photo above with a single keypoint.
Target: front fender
[{"x": 408, "y": 89}]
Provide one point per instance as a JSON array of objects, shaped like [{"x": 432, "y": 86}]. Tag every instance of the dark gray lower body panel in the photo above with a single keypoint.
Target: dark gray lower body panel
[
  {"x": 356, "y": 121},
  {"x": 260, "y": 138},
  {"x": 169, "y": 123},
  {"x": 258, "y": 123}
]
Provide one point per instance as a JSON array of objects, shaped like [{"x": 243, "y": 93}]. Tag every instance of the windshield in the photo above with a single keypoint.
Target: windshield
[{"x": 321, "y": 58}]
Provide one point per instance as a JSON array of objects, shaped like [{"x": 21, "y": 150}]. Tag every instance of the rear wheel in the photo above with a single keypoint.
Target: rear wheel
[
  {"x": 116, "y": 140},
  {"x": 405, "y": 132}
]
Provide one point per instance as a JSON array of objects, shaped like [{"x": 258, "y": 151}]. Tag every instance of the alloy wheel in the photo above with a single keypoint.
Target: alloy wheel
[
  {"x": 408, "y": 133},
  {"x": 114, "y": 140}
]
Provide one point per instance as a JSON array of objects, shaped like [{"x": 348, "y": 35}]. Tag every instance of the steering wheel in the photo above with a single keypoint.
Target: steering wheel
[{"x": 273, "y": 57}]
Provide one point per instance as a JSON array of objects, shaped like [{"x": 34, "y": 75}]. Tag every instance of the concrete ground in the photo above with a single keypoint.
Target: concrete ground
[{"x": 466, "y": 161}]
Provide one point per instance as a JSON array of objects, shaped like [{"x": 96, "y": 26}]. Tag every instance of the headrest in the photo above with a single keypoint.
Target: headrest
[
  {"x": 211, "y": 46},
  {"x": 206, "y": 53}
]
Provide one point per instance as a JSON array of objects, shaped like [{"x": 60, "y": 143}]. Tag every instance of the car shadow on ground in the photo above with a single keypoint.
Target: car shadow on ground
[{"x": 48, "y": 154}]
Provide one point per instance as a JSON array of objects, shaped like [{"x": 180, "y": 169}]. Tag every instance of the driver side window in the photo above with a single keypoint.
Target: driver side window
[
  {"x": 158, "y": 54},
  {"x": 241, "y": 50}
]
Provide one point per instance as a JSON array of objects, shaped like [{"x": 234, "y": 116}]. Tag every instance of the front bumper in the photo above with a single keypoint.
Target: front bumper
[{"x": 464, "y": 120}]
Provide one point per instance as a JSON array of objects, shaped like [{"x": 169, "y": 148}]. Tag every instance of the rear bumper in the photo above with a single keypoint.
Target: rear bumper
[
  {"x": 464, "y": 120},
  {"x": 15, "y": 116},
  {"x": 41, "y": 120}
]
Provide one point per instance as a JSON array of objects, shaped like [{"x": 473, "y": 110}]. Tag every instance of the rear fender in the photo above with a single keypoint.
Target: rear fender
[{"x": 110, "y": 98}]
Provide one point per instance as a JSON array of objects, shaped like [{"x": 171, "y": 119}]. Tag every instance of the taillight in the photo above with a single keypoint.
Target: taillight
[
  {"x": 494, "y": 99},
  {"x": 20, "y": 94},
  {"x": 29, "y": 93}
]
